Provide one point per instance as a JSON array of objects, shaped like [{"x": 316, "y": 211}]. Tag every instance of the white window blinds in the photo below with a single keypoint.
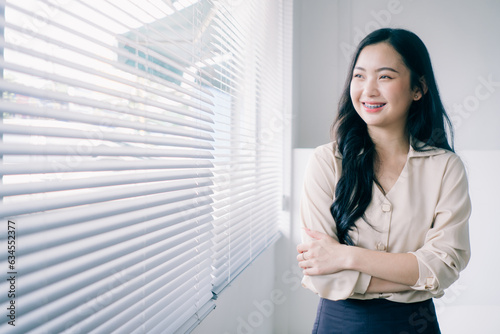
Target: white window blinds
[
  {"x": 141, "y": 157},
  {"x": 249, "y": 137}
]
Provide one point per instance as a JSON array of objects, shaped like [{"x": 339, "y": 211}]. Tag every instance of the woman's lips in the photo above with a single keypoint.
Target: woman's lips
[{"x": 373, "y": 106}]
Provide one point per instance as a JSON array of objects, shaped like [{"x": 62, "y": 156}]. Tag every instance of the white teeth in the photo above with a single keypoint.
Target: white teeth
[{"x": 373, "y": 106}]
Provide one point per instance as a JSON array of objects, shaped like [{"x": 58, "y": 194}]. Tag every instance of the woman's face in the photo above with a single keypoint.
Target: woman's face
[{"x": 380, "y": 87}]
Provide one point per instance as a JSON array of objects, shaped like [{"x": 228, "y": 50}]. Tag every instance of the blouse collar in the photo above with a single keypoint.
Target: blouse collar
[{"x": 426, "y": 151}]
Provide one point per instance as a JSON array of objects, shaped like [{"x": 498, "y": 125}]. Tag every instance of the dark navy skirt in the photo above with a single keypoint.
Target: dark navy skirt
[{"x": 375, "y": 316}]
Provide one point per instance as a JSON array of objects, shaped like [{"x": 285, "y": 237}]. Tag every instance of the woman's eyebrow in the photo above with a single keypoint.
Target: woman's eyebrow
[
  {"x": 386, "y": 69},
  {"x": 377, "y": 70}
]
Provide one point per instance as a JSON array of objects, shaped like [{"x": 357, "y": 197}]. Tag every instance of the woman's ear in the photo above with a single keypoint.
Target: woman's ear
[
  {"x": 420, "y": 91},
  {"x": 424, "y": 84}
]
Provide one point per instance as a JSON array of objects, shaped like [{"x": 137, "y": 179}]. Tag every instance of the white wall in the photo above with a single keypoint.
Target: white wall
[
  {"x": 472, "y": 304},
  {"x": 462, "y": 38},
  {"x": 297, "y": 315}
]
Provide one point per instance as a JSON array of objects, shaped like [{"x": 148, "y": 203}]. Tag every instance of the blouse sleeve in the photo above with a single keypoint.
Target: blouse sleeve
[
  {"x": 446, "y": 250},
  {"x": 317, "y": 197}
]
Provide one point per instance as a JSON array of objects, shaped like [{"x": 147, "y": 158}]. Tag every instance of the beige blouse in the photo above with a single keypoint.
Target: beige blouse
[{"x": 425, "y": 213}]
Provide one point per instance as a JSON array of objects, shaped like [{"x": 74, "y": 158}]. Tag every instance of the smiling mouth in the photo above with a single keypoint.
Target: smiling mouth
[{"x": 373, "y": 106}]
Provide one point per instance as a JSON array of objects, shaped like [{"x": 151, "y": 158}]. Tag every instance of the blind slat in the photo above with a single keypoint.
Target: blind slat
[
  {"x": 47, "y": 131},
  {"x": 60, "y": 236},
  {"x": 101, "y": 150},
  {"x": 111, "y": 92},
  {"x": 114, "y": 243},
  {"x": 94, "y": 41},
  {"x": 12, "y": 209},
  {"x": 195, "y": 319},
  {"x": 154, "y": 45},
  {"x": 164, "y": 310},
  {"x": 59, "y": 322},
  {"x": 68, "y": 272},
  {"x": 127, "y": 69},
  {"x": 180, "y": 316},
  {"x": 56, "y": 166},
  {"x": 46, "y": 112},
  {"x": 101, "y": 181},
  {"x": 156, "y": 205}
]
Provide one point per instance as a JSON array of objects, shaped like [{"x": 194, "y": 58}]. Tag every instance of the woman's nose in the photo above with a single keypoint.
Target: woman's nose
[{"x": 371, "y": 88}]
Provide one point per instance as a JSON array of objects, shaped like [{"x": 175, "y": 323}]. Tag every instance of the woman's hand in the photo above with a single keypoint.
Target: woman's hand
[{"x": 323, "y": 255}]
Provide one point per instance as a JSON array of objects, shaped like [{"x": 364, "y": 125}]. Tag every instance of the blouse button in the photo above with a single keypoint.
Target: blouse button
[
  {"x": 386, "y": 207},
  {"x": 381, "y": 246}
]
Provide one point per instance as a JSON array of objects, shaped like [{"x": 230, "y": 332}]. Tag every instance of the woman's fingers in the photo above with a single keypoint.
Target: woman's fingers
[
  {"x": 321, "y": 255},
  {"x": 299, "y": 257},
  {"x": 301, "y": 248},
  {"x": 304, "y": 256}
]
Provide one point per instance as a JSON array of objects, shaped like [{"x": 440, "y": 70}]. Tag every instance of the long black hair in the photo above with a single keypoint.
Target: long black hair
[{"x": 425, "y": 122}]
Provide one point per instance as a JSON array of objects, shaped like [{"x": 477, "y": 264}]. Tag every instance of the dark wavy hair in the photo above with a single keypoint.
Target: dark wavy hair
[{"x": 425, "y": 122}]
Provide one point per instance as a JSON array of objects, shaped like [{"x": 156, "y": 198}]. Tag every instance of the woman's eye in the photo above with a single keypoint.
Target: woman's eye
[
  {"x": 385, "y": 77},
  {"x": 357, "y": 76}
]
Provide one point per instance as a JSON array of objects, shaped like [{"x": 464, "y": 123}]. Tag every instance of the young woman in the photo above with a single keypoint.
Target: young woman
[{"x": 385, "y": 207}]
